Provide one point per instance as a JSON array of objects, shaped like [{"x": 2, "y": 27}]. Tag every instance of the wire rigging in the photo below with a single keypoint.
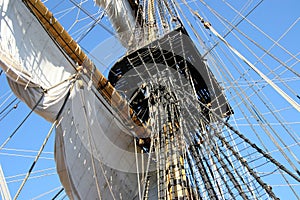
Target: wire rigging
[
  {"x": 35, "y": 160},
  {"x": 20, "y": 125}
]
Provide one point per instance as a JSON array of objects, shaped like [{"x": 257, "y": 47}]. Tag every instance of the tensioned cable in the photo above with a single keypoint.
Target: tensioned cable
[
  {"x": 25, "y": 150},
  {"x": 266, "y": 52},
  {"x": 45, "y": 172},
  {"x": 11, "y": 109},
  {"x": 261, "y": 116},
  {"x": 45, "y": 193},
  {"x": 279, "y": 122},
  {"x": 92, "y": 155},
  {"x": 34, "y": 177},
  {"x": 270, "y": 39},
  {"x": 262, "y": 75},
  {"x": 24, "y": 120},
  {"x": 88, "y": 14},
  {"x": 269, "y": 81},
  {"x": 3, "y": 95},
  {"x": 236, "y": 154},
  {"x": 23, "y": 156},
  {"x": 4, "y": 109},
  {"x": 232, "y": 28},
  {"x": 232, "y": 177},
  {"x": 48, "y": 135},
  {"x": 270, "y": 109},
  {"x": 35, "y": 160},
  {"x": 282, "y": 36},
  {"x": 264, "y": 64},
  {"x": 58, "y": 193},
  {"x": 90, "y": 28},
  {"x": 266, "y": 155}
]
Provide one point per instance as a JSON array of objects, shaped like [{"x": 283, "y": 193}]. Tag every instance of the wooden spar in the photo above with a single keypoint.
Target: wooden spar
[{"x": 73, "y": 50}]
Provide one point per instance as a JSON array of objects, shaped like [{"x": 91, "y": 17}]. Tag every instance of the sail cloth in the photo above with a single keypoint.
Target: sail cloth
[
  {"x": 121, "y": 16},
  {"x": 31, "y": 60},
  {"x": 94, "y": 153}
]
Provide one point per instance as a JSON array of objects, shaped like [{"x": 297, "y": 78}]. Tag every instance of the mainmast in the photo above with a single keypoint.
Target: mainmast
[{"x": 167, "y": 68}]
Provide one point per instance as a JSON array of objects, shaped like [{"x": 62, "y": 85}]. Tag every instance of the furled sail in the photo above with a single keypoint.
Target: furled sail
[
  {"x": 34, "y": 65},
  {"x": 122, "y": 17}
]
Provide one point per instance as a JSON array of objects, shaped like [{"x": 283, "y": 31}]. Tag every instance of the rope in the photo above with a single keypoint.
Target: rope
[
  {"x": 15, "y": 131},
  {"x": 266, "y": 102},
  {"x": 45, "y": 193},
  {"x": 137, "y": 169},
  {"x": 266, "y": 155},
  {"x": 35, "y": 172},
  {"x": 8, "y": 105},
  {"x": 282, "y": 93},
  {"x": 34, "y": 177},
  {"x": 58, "y": 193},
  {"x": 92, "y": 151},
  {"x": 35, "y": 160},
  {"x": 262, "y": 75},
  {"x": 24, "y": 156},
  {"x": 13, "y": 108}
]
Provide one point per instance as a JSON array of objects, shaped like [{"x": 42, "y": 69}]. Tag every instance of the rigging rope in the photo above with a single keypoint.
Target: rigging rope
[
  {"x": 137, "y": 170},
  {"x": 266, "y": 155},
  {"x": 45, "y": 193},
  {"x": 50, "y": 131},
  {"x": 58, "y": 193},
  {"x": 91, "y": 16},
  {"x": 35, "y": 160},
  {"x": 14, "y": 132},
  {"x": 13, "y": 108},
  {"x": 262, "y": 75},
  {"x": 233, "y": 27},
  {"x": 9, "y": 105},
  {"x": 265, "y": 100}
]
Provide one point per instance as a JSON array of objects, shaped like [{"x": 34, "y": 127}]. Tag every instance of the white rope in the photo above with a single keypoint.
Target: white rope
[
  {"x": 25, "y": 150},
  {"x": 23, "y": 156},
  {"x": 33, "y": 177},
  {"x": 137, "y": 169},
  {"x": 262, "y": 75},
  {"x": 45, "y": 193},
  {"x": 34, "y": 172},
  {"x": 35, "y": 160}
]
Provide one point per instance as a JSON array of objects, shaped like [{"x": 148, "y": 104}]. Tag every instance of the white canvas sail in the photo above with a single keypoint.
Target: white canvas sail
[
  {"x": 121, "y": 16},
  {"x": 32, "y": 61}
]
